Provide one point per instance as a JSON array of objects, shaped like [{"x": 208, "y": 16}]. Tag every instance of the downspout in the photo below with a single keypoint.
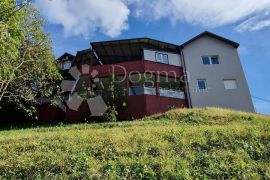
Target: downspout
[
  {"x": 185, "y": 77},
  {"x": 95, "y": 54}
]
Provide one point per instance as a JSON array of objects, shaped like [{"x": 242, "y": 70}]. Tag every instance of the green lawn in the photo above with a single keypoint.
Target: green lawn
[{"x": 180, "y": 144}]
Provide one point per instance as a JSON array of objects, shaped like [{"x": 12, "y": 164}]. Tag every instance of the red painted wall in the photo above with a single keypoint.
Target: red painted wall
[
  {"x": 137, "y": 106},
  {"x": 80, "y": 115},
  {"x": 143, "y": 105},
  {"x": 138, "y": 66},
  {"x": 50, "y": 113},
  {"x": 146, "y": 105}
]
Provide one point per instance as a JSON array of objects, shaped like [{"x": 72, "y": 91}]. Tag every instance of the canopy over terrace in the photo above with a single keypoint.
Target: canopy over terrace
[{"x": 110, "y": 52}]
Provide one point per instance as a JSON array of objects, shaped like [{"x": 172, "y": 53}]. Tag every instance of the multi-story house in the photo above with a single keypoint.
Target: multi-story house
[
  {"x": 155, "y": 76},
  {"x": 64, "y": 62}
]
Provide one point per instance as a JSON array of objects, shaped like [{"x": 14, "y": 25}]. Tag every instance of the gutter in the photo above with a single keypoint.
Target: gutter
[{"x": 186, "y": 78}]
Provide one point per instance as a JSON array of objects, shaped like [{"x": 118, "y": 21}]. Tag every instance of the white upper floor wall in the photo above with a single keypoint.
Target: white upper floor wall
[{"x": 173, "y": 59}]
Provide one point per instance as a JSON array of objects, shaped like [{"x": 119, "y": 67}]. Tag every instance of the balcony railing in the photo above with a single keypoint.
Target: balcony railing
[
  {"x": 171, "y": 93},
  {"x": 142, "y": 90}
]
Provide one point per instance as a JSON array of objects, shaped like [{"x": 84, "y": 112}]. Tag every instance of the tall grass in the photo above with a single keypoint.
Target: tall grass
[{"x": 180, "y": 144}]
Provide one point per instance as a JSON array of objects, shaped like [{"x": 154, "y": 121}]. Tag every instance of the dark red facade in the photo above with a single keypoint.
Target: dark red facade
[
  {"x": 124, "y": 58},
  {"x": 143, "y": 105},
  {"x": 137, "y": 106},
  {"x": 146, "y": 105}
]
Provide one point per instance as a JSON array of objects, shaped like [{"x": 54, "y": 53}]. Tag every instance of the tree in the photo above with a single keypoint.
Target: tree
[
  {"x": 27, "y": 67},
  {"x": 113, "y": 93}
]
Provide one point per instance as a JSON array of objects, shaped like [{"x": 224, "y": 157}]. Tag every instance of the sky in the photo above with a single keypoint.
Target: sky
[{"x": 73, "y": 24}]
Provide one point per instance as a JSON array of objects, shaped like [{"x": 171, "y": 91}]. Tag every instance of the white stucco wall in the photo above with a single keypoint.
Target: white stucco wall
[
  {"x": 150, "y": 55},
  {"x": 229, "y": 68}
]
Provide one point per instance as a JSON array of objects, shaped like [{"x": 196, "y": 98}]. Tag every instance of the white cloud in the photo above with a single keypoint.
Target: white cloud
[
  {"x": 84, "y": 17},
  {"x": 206, "y": 13},
  {"x": 253, "y": 24}
]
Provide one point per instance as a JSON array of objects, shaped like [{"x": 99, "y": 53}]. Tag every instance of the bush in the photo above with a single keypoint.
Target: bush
[{"x": 110, "y": 115}]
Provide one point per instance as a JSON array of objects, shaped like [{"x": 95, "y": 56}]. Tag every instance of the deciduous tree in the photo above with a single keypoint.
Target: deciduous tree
[{"x": 27, "y": 66}]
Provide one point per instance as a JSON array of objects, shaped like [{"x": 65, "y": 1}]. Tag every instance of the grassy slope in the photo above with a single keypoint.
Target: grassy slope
[{"x": 180, "y": 144}]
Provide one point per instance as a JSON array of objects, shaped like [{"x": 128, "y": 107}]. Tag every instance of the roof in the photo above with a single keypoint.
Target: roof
[
  {"x": 83, "y": 51},
  {"x": 206, "y": 33},
  {"x": 135, "y": 40},
  {"x": 85, "y": 55},
  {"x": 128, "y": 49},
  {"x": 70, "y": 56}
]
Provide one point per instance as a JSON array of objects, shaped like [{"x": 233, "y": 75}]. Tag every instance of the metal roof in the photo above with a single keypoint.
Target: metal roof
[{"x": 128, "y": 49}]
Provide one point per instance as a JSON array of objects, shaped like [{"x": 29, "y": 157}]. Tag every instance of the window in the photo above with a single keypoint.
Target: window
[
  {"x": 66, "y": 65},
  {"x": 158, "y": 57},
  {"x": 202, "y": 84},
  {"x": 162, "y": 58},
  {"x": 165, "y": 58},
  {"x": 214, "y": 60},
  {"x": 206, "y": 60},
  {"x": 230, "y": 84},
  {"x": 210, "y": 60}
]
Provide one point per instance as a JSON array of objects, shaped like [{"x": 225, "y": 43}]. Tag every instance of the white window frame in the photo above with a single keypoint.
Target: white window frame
[
  {"x": 204, "y": 80},
  {"x": 162, "y": 57},
  {"x": 229, "y": 86},
  {"x": 210, "y": 59}
]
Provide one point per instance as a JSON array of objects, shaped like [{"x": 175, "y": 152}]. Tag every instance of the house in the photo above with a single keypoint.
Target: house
[
  {"x": 155, "y": 76},
  {"x": 64, "y": 62},
  {"x": 214, "y": 65}
]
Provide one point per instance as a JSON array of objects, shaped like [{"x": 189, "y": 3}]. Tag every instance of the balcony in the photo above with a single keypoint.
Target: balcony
[
  {"x": 171, "y": 93},
  {"x": 143, "y": 90}
]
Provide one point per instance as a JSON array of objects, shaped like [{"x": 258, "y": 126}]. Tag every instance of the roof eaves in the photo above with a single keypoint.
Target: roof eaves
[
  {"x": 134, "y": 40},
  {"x": 115, "y": 41},
  {"x": 65, "y": 54},
  {"x": 206, "y": 33}
]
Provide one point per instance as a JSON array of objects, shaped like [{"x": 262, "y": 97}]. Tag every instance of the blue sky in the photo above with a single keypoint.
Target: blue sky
[{"x": 74, "y": 25}]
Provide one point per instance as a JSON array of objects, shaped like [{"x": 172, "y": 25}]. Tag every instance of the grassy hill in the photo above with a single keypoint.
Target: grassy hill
[{"x": 180, "y": 144}]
